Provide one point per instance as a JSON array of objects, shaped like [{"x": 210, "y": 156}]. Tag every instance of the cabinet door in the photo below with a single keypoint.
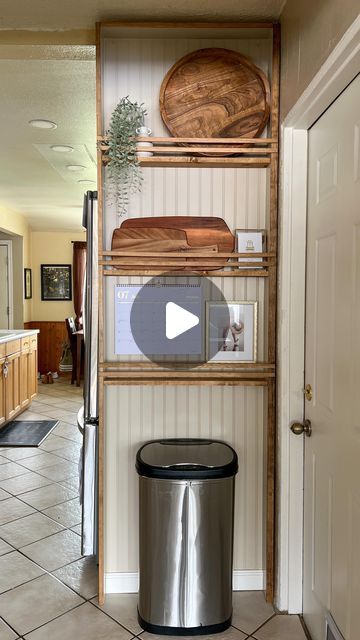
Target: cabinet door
[
  {"x": 12, "y": 386},
  {"x": 2, "y": 392},
  {"x": 24, "y": 379},
  {"x": 32, "y": 369}
]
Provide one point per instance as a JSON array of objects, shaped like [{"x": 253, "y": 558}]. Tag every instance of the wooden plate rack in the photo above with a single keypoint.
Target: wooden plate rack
[{"x": 167, "y": 152}]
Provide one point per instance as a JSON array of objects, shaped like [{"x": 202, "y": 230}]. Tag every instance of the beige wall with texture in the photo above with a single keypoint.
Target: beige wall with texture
[
  {"x": 310, "y": 30},
  {"x": 50, "y": 248}
]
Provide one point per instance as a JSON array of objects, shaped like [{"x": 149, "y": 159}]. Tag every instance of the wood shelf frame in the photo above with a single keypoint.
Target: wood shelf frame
[
  {"x": 170, "y": 152},
  {"x": 181, "y": 152}
]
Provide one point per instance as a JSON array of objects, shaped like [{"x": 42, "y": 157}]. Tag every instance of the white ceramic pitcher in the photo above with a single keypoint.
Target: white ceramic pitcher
[{"x": 144, "y": 131}]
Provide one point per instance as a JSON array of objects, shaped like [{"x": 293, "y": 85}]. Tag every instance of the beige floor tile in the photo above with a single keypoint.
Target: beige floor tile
[
  {"x": 12, "y": 509},
  {"x": 6, "y": 633},
  {"x": 29, "y": 415},
  {"x": 47, "y": 496},
  {"x": 11, "y": 470},
  {"x": 18, "y": 453},
  {"x": 68, "y": 513},
  {"x": 56, "y": 551},
  {"x": 15, "y": 570},
  {"x": 60, "y": 471},
  {"x": 52, "y": 443},
  {"x": 26, "y": 482},
  {"x": 4, "y": 495},
  {"x": 4, "y": 548},
  {"x": 33, "y": 604},
  {"x": 72, "y": 484},
  {"x": 84, "y": 623},
  {"x": 229, "y": 634},
  {"x": 77, "y": 529},
  {"x": 123, "y": 608},
  {"x": 3, "y": 460},
  {"x": 29, "y": 529},
  {"x": 82, "y": 576},
  {"x": 71, "y": 452},
  {"x": 69, "y": 431},
  {"x": 41, "y": 461},
  {"x": 281, "y": 628},
  {"x": 250, "y": 610}
]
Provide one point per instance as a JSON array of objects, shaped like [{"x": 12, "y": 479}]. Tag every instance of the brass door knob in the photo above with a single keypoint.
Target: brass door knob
[{"x": 298, "y": 428}]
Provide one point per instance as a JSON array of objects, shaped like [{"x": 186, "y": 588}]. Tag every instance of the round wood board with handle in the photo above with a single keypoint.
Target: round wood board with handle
[{"x": 215, "y": 93}]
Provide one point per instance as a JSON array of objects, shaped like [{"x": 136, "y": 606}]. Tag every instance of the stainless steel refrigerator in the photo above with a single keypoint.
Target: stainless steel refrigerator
[{"x": 88, "y": 416}]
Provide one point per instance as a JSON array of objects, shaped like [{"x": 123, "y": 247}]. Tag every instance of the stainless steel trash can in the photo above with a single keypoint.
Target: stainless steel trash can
[{"x": 186, "y": 535}]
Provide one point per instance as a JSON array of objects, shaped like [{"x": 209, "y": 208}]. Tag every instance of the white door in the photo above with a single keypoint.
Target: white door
[
  {"x": 332, "y": 368},
  {"x": 4, "y": 287}
]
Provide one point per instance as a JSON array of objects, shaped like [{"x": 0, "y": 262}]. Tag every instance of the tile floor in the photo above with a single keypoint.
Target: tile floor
[{"x": 47, "y": 590}]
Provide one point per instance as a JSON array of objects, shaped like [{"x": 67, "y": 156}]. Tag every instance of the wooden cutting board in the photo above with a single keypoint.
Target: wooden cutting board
[
  {"x": 215, "y": 93},
  {"x": 200, "y": 231},
  {"x": 154, "y": 239}
]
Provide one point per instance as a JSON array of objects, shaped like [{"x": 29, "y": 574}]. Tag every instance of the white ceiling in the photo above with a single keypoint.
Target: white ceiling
[
  {"x": 82, "y": 14},
  {"x": 58, "y": 84}
]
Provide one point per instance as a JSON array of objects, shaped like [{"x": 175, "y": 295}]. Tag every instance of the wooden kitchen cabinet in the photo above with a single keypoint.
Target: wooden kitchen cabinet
[
  {"x": 18, "y": 376},
  {"x": 12, "y": 385},
  {"x": 2, "y": 392}
]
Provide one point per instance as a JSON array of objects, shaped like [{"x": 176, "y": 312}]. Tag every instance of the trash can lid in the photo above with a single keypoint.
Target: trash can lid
[{"x": 186, "y": 459}]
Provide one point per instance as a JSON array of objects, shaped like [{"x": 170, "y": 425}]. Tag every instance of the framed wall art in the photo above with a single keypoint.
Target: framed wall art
[
  {"x": 250, "y": 241},
  {"x": 27, "y": 284},
  {"x": 231, "y": 331},
  {"x": 56, "y": 282}
]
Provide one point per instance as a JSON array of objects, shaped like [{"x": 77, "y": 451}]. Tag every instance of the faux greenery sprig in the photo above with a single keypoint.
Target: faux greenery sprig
[{"x": 124, "y": 172}]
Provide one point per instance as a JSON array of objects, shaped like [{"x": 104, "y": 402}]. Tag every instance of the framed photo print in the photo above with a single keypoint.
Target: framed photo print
[
  {"x": 250, "y": 241},
  {"x": 56, "y": 282},
  {"x": 231, "y": 331},
  {"x": 27, "y": 284}
]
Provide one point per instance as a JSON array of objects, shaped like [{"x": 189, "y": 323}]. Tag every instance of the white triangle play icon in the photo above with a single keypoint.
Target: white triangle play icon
[{"x": 178, "y": 320}]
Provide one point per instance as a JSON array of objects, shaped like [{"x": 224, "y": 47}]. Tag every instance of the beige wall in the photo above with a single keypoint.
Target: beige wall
[
  {"x": 50, "y": 248},
  {"x": 15, "y": 227},
  {"x": 310, "y": 30}
]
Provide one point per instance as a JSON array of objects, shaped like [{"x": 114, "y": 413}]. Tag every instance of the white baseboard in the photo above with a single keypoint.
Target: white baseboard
[{"x": 129, "y": 582}]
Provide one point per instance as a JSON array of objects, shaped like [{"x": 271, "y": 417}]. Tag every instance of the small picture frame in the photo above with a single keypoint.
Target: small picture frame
[
  {"x": 250, "y": 241},
  {"x": 231, "y": 331},
  {"x": 27, "y": 284},
  {"x": 56, "y": 282}
]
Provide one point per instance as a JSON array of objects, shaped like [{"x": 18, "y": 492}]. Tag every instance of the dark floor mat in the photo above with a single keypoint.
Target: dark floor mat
[{"x": 26, "y": 433}]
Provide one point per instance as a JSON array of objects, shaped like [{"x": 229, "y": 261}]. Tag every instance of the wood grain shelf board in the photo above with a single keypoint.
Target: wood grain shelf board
[
  {"x": 176, "y": 262},
  {"x": 217, "y": 366},
  {"x": 188, "y": 375},
  {"x": 171, "y": 140},
  {"x": 241, "y": 273},
  {"x": 202, "y": 163},
  {"x": 181, "y": 254},
  {"x": 182, "y": 381}
]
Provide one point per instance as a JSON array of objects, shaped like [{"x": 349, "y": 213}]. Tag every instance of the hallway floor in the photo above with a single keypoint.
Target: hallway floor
[{"x": 47, "y": 590}]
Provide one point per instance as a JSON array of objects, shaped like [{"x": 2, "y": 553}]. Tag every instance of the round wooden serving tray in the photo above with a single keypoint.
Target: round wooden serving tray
[{"x": 215, "y": 93}]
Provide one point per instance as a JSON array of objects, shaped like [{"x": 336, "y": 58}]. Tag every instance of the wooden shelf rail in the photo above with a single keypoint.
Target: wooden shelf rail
[
  {"x": 206, "y": 152},
  {"x": 199, "y": 263}
]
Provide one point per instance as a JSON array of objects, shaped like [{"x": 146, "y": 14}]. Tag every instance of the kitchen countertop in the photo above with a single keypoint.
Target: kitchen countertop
[{"x": 6, "y": 335}]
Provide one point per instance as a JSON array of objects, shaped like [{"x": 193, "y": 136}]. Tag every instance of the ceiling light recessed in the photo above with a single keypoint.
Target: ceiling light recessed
[
  {"x": 43, "y": 124},
  {"x": 75, "y": 167},
  {"x": 61, "y": 148},
  {"x": 87, "y": 181}
]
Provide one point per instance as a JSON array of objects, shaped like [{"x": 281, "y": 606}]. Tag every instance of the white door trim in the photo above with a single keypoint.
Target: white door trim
[
  {"x": 8, "y": 243},
  {"x": 342, "y": 65}
]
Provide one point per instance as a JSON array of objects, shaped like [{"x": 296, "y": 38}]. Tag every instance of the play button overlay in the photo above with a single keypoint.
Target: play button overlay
[
  {"x": 179, "y": 320},
  {"x": 166, "y": 320}
]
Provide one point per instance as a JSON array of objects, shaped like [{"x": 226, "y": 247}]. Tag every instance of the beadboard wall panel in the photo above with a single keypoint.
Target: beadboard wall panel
[{"x": 134, "y": 414}]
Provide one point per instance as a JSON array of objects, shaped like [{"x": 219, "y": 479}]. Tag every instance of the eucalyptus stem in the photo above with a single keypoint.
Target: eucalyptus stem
[{"x": 124, "y": 172}]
